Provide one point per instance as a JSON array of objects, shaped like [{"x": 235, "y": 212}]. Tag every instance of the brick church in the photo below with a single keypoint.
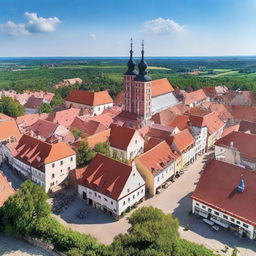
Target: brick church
[{"x": 145, "y": 97}]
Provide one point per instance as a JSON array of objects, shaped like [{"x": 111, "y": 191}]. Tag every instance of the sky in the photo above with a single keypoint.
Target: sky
[{"x": 30, "y": 28}]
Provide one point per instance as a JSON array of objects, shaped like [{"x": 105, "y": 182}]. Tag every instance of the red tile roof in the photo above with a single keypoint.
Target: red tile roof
[
  {"x": 152, "y": 142},
  {"x": 246, "y": 126},
  {"x": 244, "y": 113},
  {"x": 27, "y": 119},
  {"x": 120, "y": 137},
  {"x": 119, "y": 99},
  {"x": 157, "y": 133},
  {"x": 182, "y": 140},
  {"x": 8, "y": 129},
  {"x": 33, "y": 102},
  {"x": 88, "y": 127},
  {"x": 217, "y": 188},
  {"x": 106, "y": 118},
  {"x": 157, "y": 158},
  {"x": 180, "y": 121},
  {"x": 106, "y": 176},
  {"x": 164, "y": 117},
  {"x": 194, "y": 96},
  {"x": 161, "y": 86},
  {"x": 6, "y": 190},
  {"x": 244, "y": 142},
  {"x": 43, "y": 128},
  {"x": 211, "y": 121},
  {"x": 64, "y": 117},
  {"x": 230, "y": 129},
  {"x": 36, "y": 153},
  {"x": 89, "y": 98},
  {"x": 179, "y": 109}
]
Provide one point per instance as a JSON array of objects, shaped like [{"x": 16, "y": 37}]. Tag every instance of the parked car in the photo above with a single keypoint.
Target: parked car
[{"x": 216, "y": 228}]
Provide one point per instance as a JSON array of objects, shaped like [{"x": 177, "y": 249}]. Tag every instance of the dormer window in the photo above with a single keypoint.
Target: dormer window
[{"x": 128, "y": 190}]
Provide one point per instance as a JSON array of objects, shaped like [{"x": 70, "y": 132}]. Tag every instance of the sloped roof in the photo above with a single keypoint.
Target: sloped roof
[
  {"x": 36, "y": 153},
  {"x": 33, "y": 102},
  {"x": 194, "y": 96},
  {"x": 244, "y": 113},
  {"x": 120, "y": 137},
  {"x": 157, "y": 158},
  {"x": 99, "y": 137},
  {"x": 182, "y": 140},
  {"x": 4, "y": 117},
  {"x": 230, "y": 129},
  {"x": 89, "y": 98},
  {"x": 157, "y": 133},
  {"x": 6, "y": 190},
  {"x": 246, "y": 126},
  {"x": 8, "y": 129},
  {"x": 244, "y": 142},
  {"x": 119, "y": 99},
  {"x": 164, "y": 117},
  {"x": 43, "y": 128},
  {"x": 217, "y": 188},
  {"x": 180, "y": 121},
  {"x": 161, "y": 86},
  {"x": 106, "y": 176},
  {"x": 27, "y": 119}
]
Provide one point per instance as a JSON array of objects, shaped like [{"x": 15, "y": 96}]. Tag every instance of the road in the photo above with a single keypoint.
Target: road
[{"x": 174, "y": 200}]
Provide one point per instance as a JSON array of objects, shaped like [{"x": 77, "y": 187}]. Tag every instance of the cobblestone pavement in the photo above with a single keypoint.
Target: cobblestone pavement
[
  {"x": 10, "y": 246},
  {"x": 175, "y": 200}
]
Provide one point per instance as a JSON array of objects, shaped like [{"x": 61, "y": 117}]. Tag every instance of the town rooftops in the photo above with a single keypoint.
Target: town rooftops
[
  {"x": 217, "y": 188},
  {"x": 182, "y": 140},
  {"x": 43, "y": 128},
  {"x": 64, "y": 117},
  {"x": 157, "y": 158},
  {"x": 8, "y": 128},
  {"x": 245, "y": 143},
  {"x": 195, "y": 96},
  {"x": 120, "y": 137},
  {"x": 36, "y": 153},
  {"x": 246, "y": 126},
  {"x": 244, "y": 113},
  {"x": 27, "y": 120},
  {"x": 161, "y": 86},
  {"x": 106, "y": 176},
  {"x": 4, "y": 117},
  {"x": 6, "y": 190},
  {"x": 33, "y": 102},
  {"x": 89, "y": 98}
]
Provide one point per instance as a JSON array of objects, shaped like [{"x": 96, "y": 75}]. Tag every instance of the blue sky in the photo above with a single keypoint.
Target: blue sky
[{"x": 104, "y": 27}]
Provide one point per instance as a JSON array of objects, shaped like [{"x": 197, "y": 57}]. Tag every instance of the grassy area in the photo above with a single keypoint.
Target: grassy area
[{"x": 158, "y": 68}]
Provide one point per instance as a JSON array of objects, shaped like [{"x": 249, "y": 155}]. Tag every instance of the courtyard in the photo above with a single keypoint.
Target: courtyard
[{"x": 174, "y": 200}]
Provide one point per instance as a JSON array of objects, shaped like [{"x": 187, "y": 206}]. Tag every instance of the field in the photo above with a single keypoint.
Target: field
[{"x": 106, "y": 73}]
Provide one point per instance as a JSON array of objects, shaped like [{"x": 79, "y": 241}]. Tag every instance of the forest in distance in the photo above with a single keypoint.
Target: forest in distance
[{"x": 106, "y": 73}]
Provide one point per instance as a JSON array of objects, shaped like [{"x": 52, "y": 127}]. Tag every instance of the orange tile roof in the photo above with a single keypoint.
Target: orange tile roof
[
  {"x": 230, "y": 129},
  {"x": 36, "y": 153},
  {"x": 157, "y": 158},
  {"x": 182, "y": 140},
  {"x": 179, "y": 109},
  {"x": 27, "y": 119},
  {"x": 4, "y": 117},
  {"x": 245, "y": 143},
  {"x": 119, "y": 99},
  {"x": 180, "y": 121},
  {"x": 106, "y": 118},
  {"x": 164, "y": 117},
  {"x": 8, "y": 129},
  {"x": 217, "y": 188},
  {"x": 120, "y": 137},
  {"x": 195, "y": 96},
  {"x": 161, "y": 86},
  {"x": 6, "y": 190},
  {"x": 64, "y": 117},
  {"x": 106, "y": 176},
  {"x": 99, "y": 137},
  {"x": 89, "y": 98}
]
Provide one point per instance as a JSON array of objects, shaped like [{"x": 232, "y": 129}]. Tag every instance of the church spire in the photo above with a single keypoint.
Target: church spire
[
  {"x": 143, "y": 73},
  {"x": 131, "y": 64}
]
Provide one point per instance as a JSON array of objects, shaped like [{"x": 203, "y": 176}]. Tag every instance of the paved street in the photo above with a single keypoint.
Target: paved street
[
  {"x": 175, "y": 200},
  {"x": 10, "y": 246}
]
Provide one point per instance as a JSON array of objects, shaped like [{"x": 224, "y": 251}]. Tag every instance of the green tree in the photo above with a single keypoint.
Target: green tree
[
  {"x": 45, "y": 108},
  {"x": 235, "y": 252},
  {"x": 21, "y": 211},
  {"x": 84, "y": 154},
  {"x": 10, "y": 107},
  {"x": 57, "y": 100},
  {"x": 102, "y": 148},
  {"x": 76, "y": 132}
]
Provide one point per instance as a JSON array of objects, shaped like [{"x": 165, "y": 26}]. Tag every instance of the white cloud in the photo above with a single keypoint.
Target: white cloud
[
  {"x": 35, "y": 24},
  {"x": 93, "y": 36},
  {"x": 163, "y": 26}
]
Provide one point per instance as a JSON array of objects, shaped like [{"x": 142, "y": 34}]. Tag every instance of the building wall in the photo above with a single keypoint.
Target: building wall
[
  {"x": 117, "y": 153},
  {"x": 227, "y": 154},
  {"x": 200, "y": 134},
  {"x": 31, "y": 110},
  {"x": 136, "y": 146},
  {"x": 214, "y": 137},
  {"x": 223, "y": 217}
]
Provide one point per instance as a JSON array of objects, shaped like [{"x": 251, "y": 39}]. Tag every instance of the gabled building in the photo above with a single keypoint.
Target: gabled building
[
  {"x": 125, "y": 143},
  {"x": 157, "y": 166},
  {"x": 6, "y": 189},
  {"x": 225, "y": 195},
  {"x": 46, "y": 164},
  {"x": 95, "y": 102},
  {"x": 33, "y": 104},
  {"x": 110, "y": 185},
  {"x": 195, "y": 98},
  {"x": 9, "y": 130},
  {"x": 247, "y": 126},
  {"x": 184, "y": 144},
  {"x": 237, "y": 148}
]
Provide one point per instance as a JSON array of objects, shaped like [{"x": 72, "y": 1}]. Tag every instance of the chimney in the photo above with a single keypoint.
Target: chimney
[{"x": 241, "y": 185}]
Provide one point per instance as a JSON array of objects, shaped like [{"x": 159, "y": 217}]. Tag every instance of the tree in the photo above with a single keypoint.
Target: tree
[
  {"x": 57, "y": 100},
  {"x": 76, "y": 132},
  {"x": 10, "y": 107},
  {"x": 21, "y": 211},
  {"x": 84, "y": 154},
  {"x": 45, "y": 108},
  {"x": 102, "y": 148}
]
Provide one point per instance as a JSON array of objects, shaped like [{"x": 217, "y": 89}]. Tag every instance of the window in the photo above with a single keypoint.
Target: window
[
  {"x": 71, "y": 159},
  {"x": 99, "y": 196},
  {"x": 53, "y": 175},
  {"x": 142, "y": 191},
  {"x": 233, "y": 220},
  {"x": 61, "y": 162},
  {"x": 209, "y": 210},
  {"x": 128, "y": 190},
  {"x": 111, "y": 202},
  {"x": 123, "y": 202},
  {"x": 133, "y": 174},
  {"x": 203, "y": 207},
  {"x": 95, "y": 194},
  {"x": 61, "y": 170},
  {"x": 238, "y": 222},
  {"x": 69, "y": 168},
  {"x": 225, "y": 217},
  {"x": 128, "y": 199},
  {"x": 216, "y": 213},
  {"x": 138, "y": 193},
  {"x": 245, "y": 225},
  {"x": 197, "y": 204},
  {"x": 53, "y": 165},
  {"x": 105, "y": 199},
  {"x": 158, "y": 178},
  {"x": 133, "y": 196},
  {"x": 135, "y": 141}
]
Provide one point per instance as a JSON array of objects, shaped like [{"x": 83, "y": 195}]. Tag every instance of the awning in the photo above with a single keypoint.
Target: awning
[{"x": 224, "y": 225}]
